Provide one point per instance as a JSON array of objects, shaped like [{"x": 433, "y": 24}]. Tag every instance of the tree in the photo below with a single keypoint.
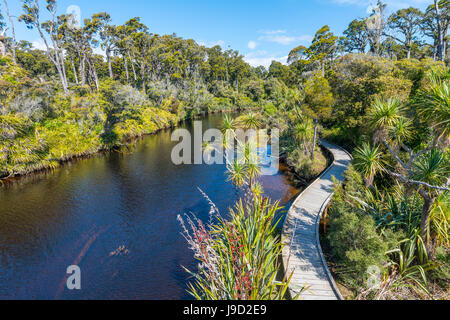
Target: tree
[
  {"x": 13, "y": 32},
  {"x": 140, "y": 41},
  {"x": 440, "y": 20},
  {"x": 108, "y": 35},
  {"x": 427, "y": 170},
  {"x": 407, "y": 23},
  {"x": 368, "y": 161},
  {"x": 323, "y": 48},
  {"x": 356, "y": 37},
  {"x": 376, "y": 24},
  {"x": 281, "y": 72},
  {"x": 126, "y": 42},
  {"x": 78, "y": 42},
  {"x": 238, "y": 68},
  {"x": 31, "y": 17},
  {"x": 3, "y": 30},
  {"x": 318, "y": 96},
  {"x": 321, "y": 52},
  {"x": 304, "y": 133},
  {"x": 299, "y": 53},
  {"x": 436, "y": 28}
]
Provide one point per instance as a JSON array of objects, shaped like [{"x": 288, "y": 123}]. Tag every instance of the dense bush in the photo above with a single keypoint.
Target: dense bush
[
  {"x": 357, "y": 80},
  {"x": 304, "y": 166},
  {"x": 356, "y": 243}
]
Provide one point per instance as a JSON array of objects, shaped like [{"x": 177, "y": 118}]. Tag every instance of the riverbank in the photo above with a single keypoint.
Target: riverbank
[{"x": 128, "y": 137}]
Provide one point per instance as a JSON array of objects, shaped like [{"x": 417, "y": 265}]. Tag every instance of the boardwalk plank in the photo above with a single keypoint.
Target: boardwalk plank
[{"x": 302, "y": 254}]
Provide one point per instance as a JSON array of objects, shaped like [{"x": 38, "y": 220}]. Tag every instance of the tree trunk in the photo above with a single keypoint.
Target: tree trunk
[
  {"x": 313, "y": 154},
  {"x": 441, "y": 52},
  {"x": 74, "y": 71},
  {"x": 125, "y": 61},
  {"x": 132, "y": 67},
  {"x": 94, "y": 73},
  {"x": 83, "y": 70},
  {"x": 13, "y": 32},
  {"x": 2, "y": 44},
  {"x": 63, "y": 82},
  {"x": 108, "y": 57},
  {"x": 426, "y": 213},
  {"x": 62, "y": 68},
  {"x": 144, "y": 90}
]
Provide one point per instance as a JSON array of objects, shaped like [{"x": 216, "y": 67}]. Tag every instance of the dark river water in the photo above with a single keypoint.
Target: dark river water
[{"x": 81, "y": 213}]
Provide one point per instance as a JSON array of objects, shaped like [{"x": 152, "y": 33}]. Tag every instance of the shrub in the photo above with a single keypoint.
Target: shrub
[
  {"x": 355, "y": 243},
  {"x": 238, "y": 259},
  {"x": 304, "y": 166},
  {"x": 270, "y": 109}
]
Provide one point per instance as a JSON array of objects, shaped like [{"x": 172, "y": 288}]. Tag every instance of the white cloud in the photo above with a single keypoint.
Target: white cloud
[
  {"x": 39, "y": 45},
  {"x": 99, "y": 51},
  {"x": 252, "y": 45},
  {"x": 273, "y": 31},
  {"x": 392, "y": 4},
  {"x": 284, "y": 39},
  {"x": 262, "y": 58},
  {"x": 210, "y": 44}
]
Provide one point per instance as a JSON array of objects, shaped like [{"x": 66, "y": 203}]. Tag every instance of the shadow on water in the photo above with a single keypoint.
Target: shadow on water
[{"x": 115, "y": 216}]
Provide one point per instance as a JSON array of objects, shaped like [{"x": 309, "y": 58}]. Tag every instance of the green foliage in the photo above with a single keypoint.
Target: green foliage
[
  {"x": 440, "y": 220},
  {"x": 357, "y": 80},
  {"x": 368, "y": 161},
  {"x": 304, "y": 166},
  {"x": 282, "y": 72},
  {"x": 238, "y": 258},
  {"x": 355, "y": 242},
  {"x": 396, "y": 214},
  {"x": 433, "y": 102},
  {"x": 356, "y": 37},
  {"x": 318, "y": 97},
  {"x": 270, "y": 109},
  {"x": 433, "y": 168},
  {"x": 319, "y": 54},
  {"x": 385, "y": 114},
  {"x": 412, "y": 261},
  {"x": 249, "y": 121}
]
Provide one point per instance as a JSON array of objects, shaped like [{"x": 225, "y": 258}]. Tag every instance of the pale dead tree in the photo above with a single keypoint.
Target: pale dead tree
[
  {"x": 440, "y": 30},
  {"x": 3, "y": 42},
  {"x": 55, "y": 51},
  {"x": 376, "y": 25},
  {"x": 13, "y": 32},
  {"x": 3, "y": 29}
]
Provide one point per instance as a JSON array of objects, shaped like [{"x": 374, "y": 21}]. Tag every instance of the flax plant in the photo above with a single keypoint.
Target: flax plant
[{"x": 238, "y": 258}]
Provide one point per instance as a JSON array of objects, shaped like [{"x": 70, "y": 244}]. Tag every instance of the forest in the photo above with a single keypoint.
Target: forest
[{"x": 380, "y": 90}]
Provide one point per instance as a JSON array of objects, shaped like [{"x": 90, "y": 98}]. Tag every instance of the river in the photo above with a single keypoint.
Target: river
[{"x": 113, "y": 215}]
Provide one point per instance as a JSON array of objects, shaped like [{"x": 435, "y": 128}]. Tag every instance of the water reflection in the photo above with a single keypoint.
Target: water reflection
[{"x": 83, "y": 212}]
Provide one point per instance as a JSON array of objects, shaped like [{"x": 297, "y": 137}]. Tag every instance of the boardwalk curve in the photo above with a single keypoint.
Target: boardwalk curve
[{"x": 302, "y": 254}]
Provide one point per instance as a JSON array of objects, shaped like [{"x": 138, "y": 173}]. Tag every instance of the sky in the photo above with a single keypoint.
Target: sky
[{"x": 261, "y": 30}]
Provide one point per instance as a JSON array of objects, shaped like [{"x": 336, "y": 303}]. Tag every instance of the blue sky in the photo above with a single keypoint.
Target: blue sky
[{"x": 261, "y": 30}]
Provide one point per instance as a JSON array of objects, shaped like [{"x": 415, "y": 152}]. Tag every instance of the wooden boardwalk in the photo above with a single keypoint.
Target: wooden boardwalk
[{"x": 302, "y": 254}]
